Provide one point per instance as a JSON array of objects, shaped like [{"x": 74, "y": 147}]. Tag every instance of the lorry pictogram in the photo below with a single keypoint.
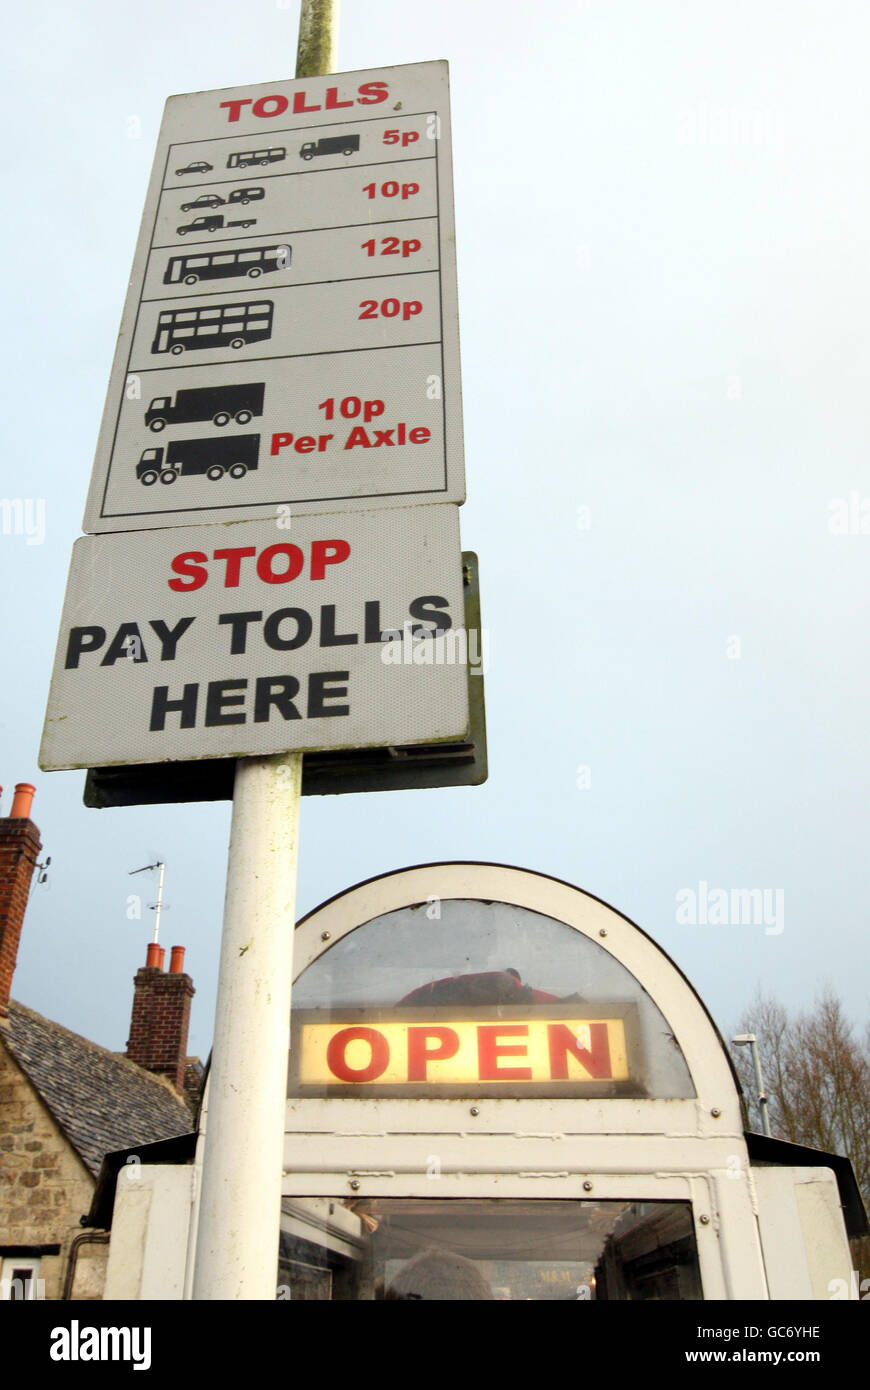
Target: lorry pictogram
[
  {"x": 220, "y": 404},
  {"x": 213, "y": 457},
  {"x": 330, "y": 144}
]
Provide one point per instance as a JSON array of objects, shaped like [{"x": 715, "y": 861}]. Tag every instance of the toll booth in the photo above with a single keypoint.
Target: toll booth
[{"x": 501, "y": 1088}]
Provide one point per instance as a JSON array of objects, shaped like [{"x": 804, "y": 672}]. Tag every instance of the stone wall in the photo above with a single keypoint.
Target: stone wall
[{"x": 44, "y": 1186}]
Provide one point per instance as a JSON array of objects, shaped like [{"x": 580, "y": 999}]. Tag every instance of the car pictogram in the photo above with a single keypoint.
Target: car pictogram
[{"x": 205, "y": 200}]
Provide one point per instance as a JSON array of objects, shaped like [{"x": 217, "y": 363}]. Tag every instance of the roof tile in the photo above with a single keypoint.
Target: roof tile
[{"x": 101, "y": 1100}]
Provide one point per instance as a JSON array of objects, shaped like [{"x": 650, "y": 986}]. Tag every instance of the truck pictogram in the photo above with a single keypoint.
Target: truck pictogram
[
  {"x": 220, "y": 404},
  {"x": 213, "y": 457},
  {"x": 330, "y": 144}
]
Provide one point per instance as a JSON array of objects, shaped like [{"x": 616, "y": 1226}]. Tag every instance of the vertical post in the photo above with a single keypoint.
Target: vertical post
[
  {"x": 762, "y": 1094},
  {"x": 749, "y": 1040},
  {"x": 159, "y": 903},
  {"x": 318, "y": 38},
  {"x": 240, "y": 1203}
]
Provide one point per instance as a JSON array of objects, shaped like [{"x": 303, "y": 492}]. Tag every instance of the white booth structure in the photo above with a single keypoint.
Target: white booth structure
[{"x": 501, "y": 1088}]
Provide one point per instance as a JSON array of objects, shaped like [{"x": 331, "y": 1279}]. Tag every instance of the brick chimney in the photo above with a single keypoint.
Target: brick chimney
[
  {"x": 19, "y": 851},
  {"x": 161, "y": 1015}
]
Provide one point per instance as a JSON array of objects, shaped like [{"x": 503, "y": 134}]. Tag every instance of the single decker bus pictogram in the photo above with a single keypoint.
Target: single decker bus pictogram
[{"x": 216, "y": 264}]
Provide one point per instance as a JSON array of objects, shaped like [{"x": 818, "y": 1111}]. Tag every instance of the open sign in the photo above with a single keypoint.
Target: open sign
[{"x": 458, "y": 1051}]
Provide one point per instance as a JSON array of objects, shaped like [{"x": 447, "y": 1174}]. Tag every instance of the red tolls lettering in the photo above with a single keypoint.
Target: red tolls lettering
[
  {"x": 489, "y": 1049},
  {"x": 325, "y": 553},
  {"x": 336, "y": 1054},
  {"x": 562, "y": 1041},
  {"x": 235, "y": 107},
  {"x": 299, "y": 104},
  {"x": 332, "y": 101},
  {"x": 278, "y": 105},
  {"x": 295, "y": 560},
  {"x": 419, "y": 1053},
  {"x": 234, "y": 560},
  {"x": 369, "y": 94},
  {"x": 372, "y": 92},
  {"x": 189, "y": 564}
]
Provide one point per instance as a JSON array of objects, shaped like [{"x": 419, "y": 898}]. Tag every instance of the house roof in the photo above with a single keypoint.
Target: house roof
[{"x": 101, "y": 1100}]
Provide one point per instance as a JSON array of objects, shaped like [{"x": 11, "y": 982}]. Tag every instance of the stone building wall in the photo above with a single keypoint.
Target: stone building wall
[{"x": 44, "y": 1186}]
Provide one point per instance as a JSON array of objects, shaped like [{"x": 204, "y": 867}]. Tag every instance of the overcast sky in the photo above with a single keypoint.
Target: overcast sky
[{"x": 662, "y": 224}]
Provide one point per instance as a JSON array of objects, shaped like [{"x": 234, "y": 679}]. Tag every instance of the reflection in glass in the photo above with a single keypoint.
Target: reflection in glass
[
  {"x": 481, "y": 1249},
  {"x": 445, "y": 958}
]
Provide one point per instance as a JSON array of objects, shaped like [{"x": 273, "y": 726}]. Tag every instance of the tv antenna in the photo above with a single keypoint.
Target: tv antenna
[
  {"x": 41, "y": 875},
  {"x": 157, "y": 907}
]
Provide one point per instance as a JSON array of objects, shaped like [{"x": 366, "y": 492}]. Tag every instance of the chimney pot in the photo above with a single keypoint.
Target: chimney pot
[
  {"x": 161, "y": 1017},
  {"x": 162, "y": 950},
  {"x": 22, "y": 801},
  {"x": 152, "y": 956}
]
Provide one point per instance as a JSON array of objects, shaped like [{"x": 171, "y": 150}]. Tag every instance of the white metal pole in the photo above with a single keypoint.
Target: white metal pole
[
  {"x": 240, "y": 1206},
  {"x": 240, "y": 1203},
  {"x": 759, "y": 1082}
]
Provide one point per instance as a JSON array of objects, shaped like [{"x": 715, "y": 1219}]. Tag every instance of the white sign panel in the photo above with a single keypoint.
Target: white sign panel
[
  {"x": 247, "y": 639},
  {"x": 291, "y": 331}
]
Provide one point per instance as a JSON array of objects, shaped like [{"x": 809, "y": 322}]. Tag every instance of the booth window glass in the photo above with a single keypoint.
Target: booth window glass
[
  {"x": 487, "y": 1249},
  {"x": 463, "y": 997}
]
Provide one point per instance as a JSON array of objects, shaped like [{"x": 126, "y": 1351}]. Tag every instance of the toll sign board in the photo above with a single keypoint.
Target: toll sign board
[
  {"x": 245, "y": 640},
  {"x": 290, "y": 337},
  {"x": 330, "y": 772}
]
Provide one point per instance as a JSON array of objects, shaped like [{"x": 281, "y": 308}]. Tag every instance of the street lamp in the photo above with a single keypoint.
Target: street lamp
[{"x": 750, "y": 1040}]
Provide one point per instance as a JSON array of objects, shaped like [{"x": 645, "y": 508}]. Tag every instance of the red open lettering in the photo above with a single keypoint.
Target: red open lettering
[
  {"x": 489, "y": 1049},
  {"x": 336, "y": 1054},
  {"x": 596, "y": 1059},
  {"x": 446, "y": 1042}
]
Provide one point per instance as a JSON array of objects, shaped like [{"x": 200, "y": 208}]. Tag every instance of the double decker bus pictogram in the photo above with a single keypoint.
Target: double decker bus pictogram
[{"x": 224, "y": 325}]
